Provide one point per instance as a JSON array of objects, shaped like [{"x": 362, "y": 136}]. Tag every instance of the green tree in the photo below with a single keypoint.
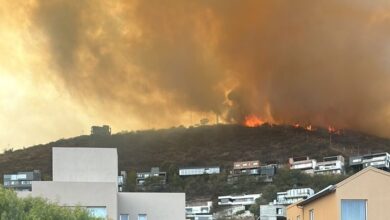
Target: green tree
[{"x": 12, "y": 207}]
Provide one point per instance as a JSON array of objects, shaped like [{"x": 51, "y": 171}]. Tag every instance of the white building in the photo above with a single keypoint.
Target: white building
[
  {"x": 241, "y": 200},
  {"x": 330, "y": 165},
  {"x": 199, "y": 210},
  {"x": 377, "y": 160},
  {"x": 292, "y": 196},
  {"x": 272, "y": 212},
  {"x": 304, "y": 164},
  {"x": 194, "y": 171},
  {"x": 88, "y": 177}
]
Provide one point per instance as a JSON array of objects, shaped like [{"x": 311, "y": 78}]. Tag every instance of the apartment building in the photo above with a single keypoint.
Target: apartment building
[
  {"x": 154, "y": 173},
  {"x": 377, "y": 160},
  {"x": 194, "y": 171},
  {"x": 199, "y": 210},
  {"x": 304, "y": 164},
  {"x": 331, "y": 165},
  {"x": 272, "y": 212},
  {"x": 363, "y": 196},
  {"x": 293, "y": 195},
  {"x": 21, "y": 181},
  {"x": 88, "y": 177}
]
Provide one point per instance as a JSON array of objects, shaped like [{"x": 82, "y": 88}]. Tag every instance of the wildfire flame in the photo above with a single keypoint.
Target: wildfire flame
[
  {"x": 253, "y": 121},
  {"x": 309, "y": 128},
  {"x": 333, "y": 130}
]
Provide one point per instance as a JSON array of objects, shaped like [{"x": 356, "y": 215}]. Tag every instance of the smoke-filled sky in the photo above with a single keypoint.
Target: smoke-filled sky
[{"x": 68, "y": 64}]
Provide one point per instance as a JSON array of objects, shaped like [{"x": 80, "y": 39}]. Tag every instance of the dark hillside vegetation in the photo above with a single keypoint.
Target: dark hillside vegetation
[{"x": 207, "y": 145}]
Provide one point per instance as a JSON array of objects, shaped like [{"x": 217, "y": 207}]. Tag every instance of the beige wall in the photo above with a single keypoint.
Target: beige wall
[
  {"x": 372, "y": 185},
  {"x": 79, "y": 194},
  {"x": 78, "y": 164},
  {"x": 293, "y": 211},
  {"x": 157, "y": 206}
]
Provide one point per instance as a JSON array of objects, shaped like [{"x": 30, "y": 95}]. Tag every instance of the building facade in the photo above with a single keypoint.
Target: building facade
[
  {"x": 363, "y": 196},
  {"x": 195, "y": 171},
  {"x": 21, "y": 181},
  {"x": 293, "y": 195},
  {"x": 304, "y": 164},
  {"x": 377, "y": 160},
  {"x": 154, "y": 173},
  {"x": 88, "y": 177},
  {"x": 199, "y": 210},
  {"x": 331, "y": 165},
  {"x": 272, "y": 212},
  {"x": 239, "y": 200}
]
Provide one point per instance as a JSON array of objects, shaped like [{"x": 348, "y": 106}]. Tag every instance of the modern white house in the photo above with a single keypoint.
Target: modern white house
[
  {"x": 195, "y": 171},
  {"x": 199, "y": 210},
  {"x": 304, "y": 164},
  {"x": 377, "y": 160},
  {"x": 240, "y": 200},
  {"x": 88, "y": 177},
  {"x": 292, "y": 196},
  {"x": 272, "y": 212},
  {"x": 330, "y": 165}
]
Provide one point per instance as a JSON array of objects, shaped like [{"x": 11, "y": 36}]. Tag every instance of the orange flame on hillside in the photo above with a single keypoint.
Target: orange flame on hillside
[{"x": 253, "y": 121}]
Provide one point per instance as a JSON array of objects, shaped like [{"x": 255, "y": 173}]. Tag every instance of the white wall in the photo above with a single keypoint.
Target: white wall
[
  {"x": 85, "y": 164},
  {"x": 79, "y": 194},
  {"x": 157, "y": 206}
]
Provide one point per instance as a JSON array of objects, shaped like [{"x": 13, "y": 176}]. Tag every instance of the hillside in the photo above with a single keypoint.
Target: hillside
[{"x": 208, "y": 145}]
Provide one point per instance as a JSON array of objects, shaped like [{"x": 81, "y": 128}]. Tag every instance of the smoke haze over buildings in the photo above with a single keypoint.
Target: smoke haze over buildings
[{"x": 136, "y": 64}]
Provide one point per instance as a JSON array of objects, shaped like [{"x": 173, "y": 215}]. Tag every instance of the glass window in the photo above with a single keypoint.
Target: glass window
[
  {"x": 353, "y": 209},
  {"x": 97, "y": 212},
  {"x": 142, "y": 217},
  {"x": 123, "y": 217},
  {"x": 311, "y": 214}
]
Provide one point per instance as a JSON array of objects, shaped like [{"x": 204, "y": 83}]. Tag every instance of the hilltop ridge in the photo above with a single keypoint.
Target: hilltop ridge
[{"x": 206, "y": 145}]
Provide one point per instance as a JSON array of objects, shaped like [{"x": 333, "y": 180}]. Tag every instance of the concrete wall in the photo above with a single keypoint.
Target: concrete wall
[
  {"x": 157, "y": 206},
  {"x": 79, "y": 193},
  {"x": 85, "y": 164}
]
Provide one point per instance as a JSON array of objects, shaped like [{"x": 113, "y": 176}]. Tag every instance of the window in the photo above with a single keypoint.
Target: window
[
  {"x": 353, "y": 209},
  {"x": 311, "y": 214},
  {"x": 123, "y": 217},
  {"x": 142, "y": 217},
  {"x": 97, "y": 212},
  {"x": 279, "y": 211}
]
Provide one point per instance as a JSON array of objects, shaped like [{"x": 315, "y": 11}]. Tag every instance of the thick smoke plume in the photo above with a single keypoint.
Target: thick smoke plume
[{"x": 319, "y": 62}]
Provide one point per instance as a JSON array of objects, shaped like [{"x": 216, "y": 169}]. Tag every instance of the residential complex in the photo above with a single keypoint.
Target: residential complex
[
  {"x": 88, "y": 177},
  {"x": 154, "y": 173},
  {"x": 302, "y": 163},
  {"x": 194, "y": 171},
  {"x": 363, "y": 196},
  {"x": 293, "y": 195},
  {"x": 331, "y": 165},
  {"x": 200, "y": 210},
  {"x": 21, "y": 181},
  {"x": 377, "y": 160}
]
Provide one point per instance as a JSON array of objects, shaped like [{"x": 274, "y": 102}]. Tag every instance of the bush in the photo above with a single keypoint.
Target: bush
[{"x": 12, "y": 207}]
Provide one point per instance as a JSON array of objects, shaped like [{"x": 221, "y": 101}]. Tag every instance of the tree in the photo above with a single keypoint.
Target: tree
[{"x": 12, "y": 207}]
